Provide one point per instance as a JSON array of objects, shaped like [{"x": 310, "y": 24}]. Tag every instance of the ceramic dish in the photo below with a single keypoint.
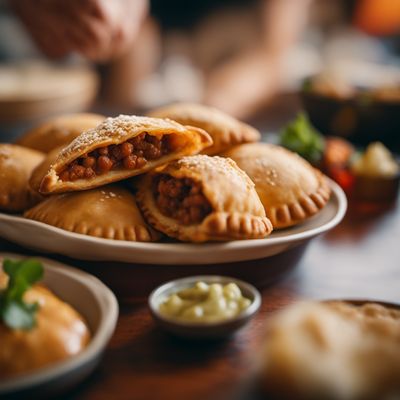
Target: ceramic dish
[
  {"x": 203, "y": 330},
  {"x": 97, "y": 304},
  {"x": 49, "y": 239},
  {"x": 358, "y": 121}
]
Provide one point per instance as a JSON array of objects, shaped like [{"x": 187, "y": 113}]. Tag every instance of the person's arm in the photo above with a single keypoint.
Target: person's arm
[
  {"x": 283, "y": 22},
  {"x": 97, "y": 29},
  {"x": 243, "y": 84}
]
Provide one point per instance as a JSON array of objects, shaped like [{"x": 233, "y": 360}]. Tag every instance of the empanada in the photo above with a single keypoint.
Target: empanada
[
  {"x": 318, "y": 351},
  {"x": 290, "y": 189},
  {"x": 202, "y": 198},
  {"x": 108, "y": 212},
  {"x": 225, "y": 130},
  {"x": 16, "y": 165},
  {"x": 41, "y": 170},
  {"x": 59, "y": 131},
  {"x": 119, "y": 148}
]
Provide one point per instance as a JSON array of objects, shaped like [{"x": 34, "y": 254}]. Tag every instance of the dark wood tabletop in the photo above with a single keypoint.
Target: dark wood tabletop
[{"x": 360, "y": 258}]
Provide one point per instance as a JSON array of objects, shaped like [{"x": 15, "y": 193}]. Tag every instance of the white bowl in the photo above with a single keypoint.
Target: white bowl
[{"x": 96, "y": 303}]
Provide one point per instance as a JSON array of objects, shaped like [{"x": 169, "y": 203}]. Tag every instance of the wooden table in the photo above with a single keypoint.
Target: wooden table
[{"x": 360, "y": 258}]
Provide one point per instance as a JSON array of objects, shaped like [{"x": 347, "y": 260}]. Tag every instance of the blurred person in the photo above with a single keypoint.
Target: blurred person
[
  {"x": 239, "y": 47},
  {"x": 105, "y": 33},
  {"x": 97, "y": 29},
  {"x": 231, "y": 54}
]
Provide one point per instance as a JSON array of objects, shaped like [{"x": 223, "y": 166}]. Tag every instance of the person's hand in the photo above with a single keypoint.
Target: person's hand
[{"x": 97, "y": 29}]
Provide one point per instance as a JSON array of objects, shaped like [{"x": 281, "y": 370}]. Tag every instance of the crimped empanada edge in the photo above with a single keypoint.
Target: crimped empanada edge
[
  {"x": 292, "y": 214},
  {"x": 138, "y": 233}
]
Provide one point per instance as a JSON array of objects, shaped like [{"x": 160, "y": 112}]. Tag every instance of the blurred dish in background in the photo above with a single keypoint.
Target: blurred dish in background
[
  {"x": 33, "y": 91},
  {"x": 377, "y": 175},
  {"x": 361, "y": 103},
  {"x": 36, "y": 90},
  {"x": 372, "y": 176}
]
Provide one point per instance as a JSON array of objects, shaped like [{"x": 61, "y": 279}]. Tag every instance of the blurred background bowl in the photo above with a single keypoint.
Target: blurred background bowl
[
  {"x": 34, "y": 91},
  {"x": 358, "y": 119}
]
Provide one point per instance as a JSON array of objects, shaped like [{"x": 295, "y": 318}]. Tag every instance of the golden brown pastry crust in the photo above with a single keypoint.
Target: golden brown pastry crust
[
  {"x": 59, "y": 131},
  {"x": 225, "y": 130},
  {"x": 41, "y": 170},
  {"x": 16, "y": 165},
  {"x": 108, "y": 212},
  {"x": 237, "y": 211},
  {"x": 290, "y": 189},
  {"x": 115, "y": 131},
  {"x": 57, "y": 325}
]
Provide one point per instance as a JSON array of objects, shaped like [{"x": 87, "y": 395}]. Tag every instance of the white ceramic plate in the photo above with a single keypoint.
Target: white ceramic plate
[
  {"x": 96, "y": 303},
  {"x": 49, "y": 239}
]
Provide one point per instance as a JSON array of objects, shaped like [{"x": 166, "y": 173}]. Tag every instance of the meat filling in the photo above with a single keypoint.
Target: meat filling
[
  {"x": 181, "y": 199},
  {"x": 132, "y": 154}
]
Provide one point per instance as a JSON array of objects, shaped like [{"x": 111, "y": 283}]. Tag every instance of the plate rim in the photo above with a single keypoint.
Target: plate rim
[
  {"x": 109, "y": 310},
  {"x": 337, "y": 191}
]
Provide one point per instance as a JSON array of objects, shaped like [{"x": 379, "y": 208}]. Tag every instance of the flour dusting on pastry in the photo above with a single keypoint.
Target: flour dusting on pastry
[{"x": 119, "y": 148}]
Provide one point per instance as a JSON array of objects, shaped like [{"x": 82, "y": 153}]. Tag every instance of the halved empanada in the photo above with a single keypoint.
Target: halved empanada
[
  {"x": 202, "y": 198},
  {"x": 290, "y": 189},
  {"x": 59, "y": 131},
  {"x": 16, "y": 165},
  {"x": 108, "y": 212},
  {"x": 119, "y": 148},
  {"x": 225, "y": 130}
]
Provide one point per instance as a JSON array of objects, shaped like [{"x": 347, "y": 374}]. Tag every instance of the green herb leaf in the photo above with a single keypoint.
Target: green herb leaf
[
  {"x": 301, "y": 137},
  {"x": 14, "y": 312}
]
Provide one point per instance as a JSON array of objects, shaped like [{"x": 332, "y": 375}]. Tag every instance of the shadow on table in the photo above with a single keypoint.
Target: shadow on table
[{"x": 133, "y": 282}]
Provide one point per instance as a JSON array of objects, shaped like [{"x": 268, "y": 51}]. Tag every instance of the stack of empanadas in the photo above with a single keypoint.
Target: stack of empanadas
[{"x": 131, "y": 177}]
